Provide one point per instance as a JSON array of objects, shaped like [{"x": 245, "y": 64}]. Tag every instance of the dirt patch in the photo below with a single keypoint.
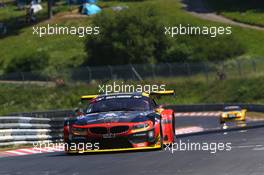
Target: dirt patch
[
  {"x": 255, "y": 116},
  {"x": 63, "y": 16},
  {"x": 40, "y": 83}
]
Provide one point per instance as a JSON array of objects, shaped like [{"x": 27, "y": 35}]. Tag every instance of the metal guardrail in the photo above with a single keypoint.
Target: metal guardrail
[
  {"x": 208, "y": 71},
  {"x": 178, "y": 108},
  {"x": 45, "y": 114},
  {"x": 215, "y": 107},
  {"x": 25, "y": 130},
  {"x": 28, "y": 128}
]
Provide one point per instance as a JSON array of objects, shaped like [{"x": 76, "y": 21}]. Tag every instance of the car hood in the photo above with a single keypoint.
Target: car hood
[{"x": 114, "y": 117}]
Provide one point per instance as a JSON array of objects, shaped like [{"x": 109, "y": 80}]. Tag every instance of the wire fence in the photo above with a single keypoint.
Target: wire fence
[{"x": 206, "y": 71}]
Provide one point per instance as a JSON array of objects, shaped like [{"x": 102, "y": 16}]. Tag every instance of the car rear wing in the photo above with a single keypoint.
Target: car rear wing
[
  {"x": 151, "y": 94},
  {"x": 161, "y": 93},
  {"x": 88, "y": 97}
]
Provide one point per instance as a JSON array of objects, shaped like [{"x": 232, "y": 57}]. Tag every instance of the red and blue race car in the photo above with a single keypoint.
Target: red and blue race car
[{"x": 123, "y": 121}]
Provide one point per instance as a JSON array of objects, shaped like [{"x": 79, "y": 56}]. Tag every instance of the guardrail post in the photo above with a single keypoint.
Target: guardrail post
[
  {"x": 170, "y": 70},
  {"x": 153, "y": 71},
  {"x": 22, "y": 78},
  {"x": 136, "y": 73},
  {"x": 188, "y": 68},
  {"x": 206, "y": 72},
  {"x": 111, "y": 71},
  {"x": 90, "y": 73}
]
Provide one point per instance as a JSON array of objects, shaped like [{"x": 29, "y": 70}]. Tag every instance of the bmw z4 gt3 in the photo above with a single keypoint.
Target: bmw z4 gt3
[{"x": 115, "y": 122}]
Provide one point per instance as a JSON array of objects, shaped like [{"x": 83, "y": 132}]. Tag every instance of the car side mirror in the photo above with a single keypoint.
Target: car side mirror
[
  {"x": 159, "y": 109},
  {"x": 79, "y": 111}
]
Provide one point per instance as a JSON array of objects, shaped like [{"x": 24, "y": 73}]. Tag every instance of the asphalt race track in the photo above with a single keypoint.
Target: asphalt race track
[
  {"x": 245, "y": 158},
  {"x": 205, "y": 122}
]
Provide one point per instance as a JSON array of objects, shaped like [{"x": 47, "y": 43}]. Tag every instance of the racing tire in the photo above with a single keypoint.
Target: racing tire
[
  {"x": 161, "y": 137},
  {"x": 173, "y": 128},
  {"x": 221, "y": 121}
]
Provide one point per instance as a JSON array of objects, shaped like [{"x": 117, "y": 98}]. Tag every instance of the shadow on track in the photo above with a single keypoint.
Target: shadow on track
[{"x": 63, "y": 154}]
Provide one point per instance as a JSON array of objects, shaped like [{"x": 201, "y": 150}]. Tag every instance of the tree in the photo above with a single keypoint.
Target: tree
[{"x": 130, "y": 36}]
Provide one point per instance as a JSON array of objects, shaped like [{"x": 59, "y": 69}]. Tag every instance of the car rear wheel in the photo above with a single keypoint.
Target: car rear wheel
[
  {"x": 173, "y": 128},
  {"x": 221, "y": 121},
  {"x": 161, "y": 136}
]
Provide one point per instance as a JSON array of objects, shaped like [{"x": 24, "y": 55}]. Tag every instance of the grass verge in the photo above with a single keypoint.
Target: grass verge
[
  {"x": 25, "y": 98},
  {"x": 249, "y": 12}
]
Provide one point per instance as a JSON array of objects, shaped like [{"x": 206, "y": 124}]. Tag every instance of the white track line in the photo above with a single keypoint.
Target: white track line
[
  {"x": 43, "y": 150},
  {"x": 30, "y": 150},
  {"x": 196, "y": 114},
  {"x": 188, "y": 130},
  {"x": 17, "y": 152}
]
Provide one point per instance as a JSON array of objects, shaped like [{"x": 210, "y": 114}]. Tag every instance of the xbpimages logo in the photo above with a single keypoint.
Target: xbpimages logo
[
  {"x": 126, "y": 88},
  {"x": 212, "y": 147}
]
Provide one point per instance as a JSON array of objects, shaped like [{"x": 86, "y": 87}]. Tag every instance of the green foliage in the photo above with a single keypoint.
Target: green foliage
[
  {"x": 178, "y": 53},
  {"x": 37, "y": 98},
  {"x": 131, "y": 36},
  {"x": 214, "y": 50},
  {"x": 69, "y": 51},
  {"x": 137, "y": 36},
  {"x": 250, "y": 12},
  {"x": 226, "y": 91},
  {"x": 27, "y": 63},
  {"x": 203, "y": 48}
]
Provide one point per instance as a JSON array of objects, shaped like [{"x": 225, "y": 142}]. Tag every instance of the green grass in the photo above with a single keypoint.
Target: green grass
[
  {"x": 25, "y": 98},
  {"x": 68, "y": 51},
  {"x": 64, "y": 50},
  {"x": 250, "y": 12}
]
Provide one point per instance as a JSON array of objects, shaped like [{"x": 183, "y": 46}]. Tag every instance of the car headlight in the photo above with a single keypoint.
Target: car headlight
[
  {"x": 79, "y": 131},
  {"x": 142, "y": 126},
  {"x": 239, "y": 114},
  {"x": 224, "y": 115}
]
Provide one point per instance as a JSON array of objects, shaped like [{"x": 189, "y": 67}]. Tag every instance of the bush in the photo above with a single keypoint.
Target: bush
[
  {"x": 211, "y": 49},
  {"x": 178, "y": 51},
  {"x": 37, "y": 61},
  {"x": 202, "y": 48},
  {"x": 136, "y": 36},
  {"x": 130, "y": 36}
]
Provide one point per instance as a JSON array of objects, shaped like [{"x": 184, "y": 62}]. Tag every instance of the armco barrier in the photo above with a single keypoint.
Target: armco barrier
[
  {"x": 30, "y": 127},
  {"x": 25, "y": 128},
  {"x": 178, "y": 108},
  {"x": 214, "y": 107},
  {"x": 46, "y": 114}
]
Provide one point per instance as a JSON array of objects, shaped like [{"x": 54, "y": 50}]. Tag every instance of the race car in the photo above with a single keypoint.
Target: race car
[
  {"x": 120, "y": 122},
  {"x": 233, "y": 113}
]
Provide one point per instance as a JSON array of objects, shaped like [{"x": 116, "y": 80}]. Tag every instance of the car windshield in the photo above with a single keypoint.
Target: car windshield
[
  {"x": 119, "y": 104},
  {"x": 237, "y": 108}
]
